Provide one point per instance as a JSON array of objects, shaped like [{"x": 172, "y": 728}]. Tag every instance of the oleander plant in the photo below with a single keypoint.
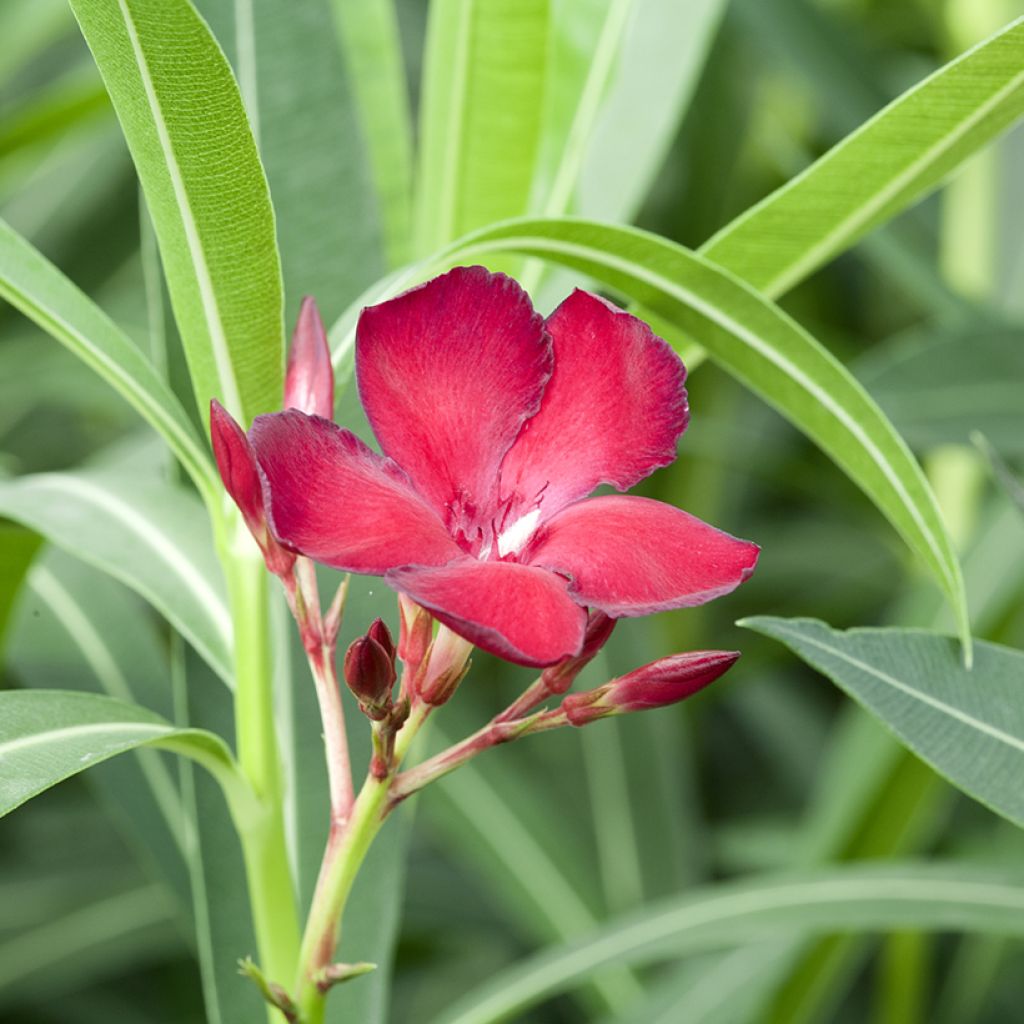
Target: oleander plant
[{"x": 388, "y": 383}]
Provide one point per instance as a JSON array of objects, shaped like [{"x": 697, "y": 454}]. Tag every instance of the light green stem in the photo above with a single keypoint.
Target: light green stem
[
  {"x": 271, "y": 890},
  {"x": 346, "y": 849},
  {"x": 347, "y": 846}
]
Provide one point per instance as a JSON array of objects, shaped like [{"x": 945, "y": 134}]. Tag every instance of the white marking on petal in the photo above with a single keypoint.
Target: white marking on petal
[{"x": 515, "y": 537}]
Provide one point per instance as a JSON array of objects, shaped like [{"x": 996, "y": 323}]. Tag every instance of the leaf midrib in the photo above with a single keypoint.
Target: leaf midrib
[{"x": 230, "y": 395}]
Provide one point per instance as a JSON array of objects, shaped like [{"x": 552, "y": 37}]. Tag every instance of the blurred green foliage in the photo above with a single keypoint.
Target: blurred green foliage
[{"x": 539, "y": 842}]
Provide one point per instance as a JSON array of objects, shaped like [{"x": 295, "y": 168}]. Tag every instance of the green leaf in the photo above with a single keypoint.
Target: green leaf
[
  {"x": 480, "y": 117},
  {"x": 18, "y": 548},
  {"x": 894, "y": 159},
  {"x": 206, "y": 191},
  {"x": 369, "y": 34},
  {"x": 76, "y": 628},
  {"x": 492, "y": 829},
  {"x": 149, "y": 534},
  {"x": 660, "y": 56},
  {"x": 109, "y": 933},
  {"x": 302, "y": 108},
  {"x": 939, "y": 386},
  {"x": 35, "y": 286},
  {"x": 762, "y": 347},
  {"x": 967, "y": 724},
  {"x": 855, "y": 899},
  {"x": 46, "y": 736}
]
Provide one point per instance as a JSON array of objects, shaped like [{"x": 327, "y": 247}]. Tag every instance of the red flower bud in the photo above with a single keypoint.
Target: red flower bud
[
  {"x": 370, "y": 674},
  {"x": 558, "y": 678},
  {"x": 379, "y": 631},
  {"x": 663, "y": 682},
  {"x": 309, "y": 383},
  {"x": 236, "y": 463}
]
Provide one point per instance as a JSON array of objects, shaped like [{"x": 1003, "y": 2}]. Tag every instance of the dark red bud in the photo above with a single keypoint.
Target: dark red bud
[
  {"x": 558, "y": 678},
  {"x": 309, "y": 383},
  {"x": 669, "y": 680},
  {"x": 663, "y": 682},
  {"x": 379, "y": 631},
  {"x": 370, "y": 674}
]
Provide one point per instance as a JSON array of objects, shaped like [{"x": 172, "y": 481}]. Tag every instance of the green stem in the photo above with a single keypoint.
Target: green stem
[
  {"x": 347, "y": 845},
  {"x": 346, "y": 849},
  {"x": 271, "y": 889}
]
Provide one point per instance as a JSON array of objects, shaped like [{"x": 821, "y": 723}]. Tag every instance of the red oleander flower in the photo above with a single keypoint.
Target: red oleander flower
[{"x": 495, "y": 426}]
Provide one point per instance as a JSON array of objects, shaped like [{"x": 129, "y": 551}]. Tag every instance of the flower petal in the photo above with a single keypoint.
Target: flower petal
[
  {"x": 612, "y": 412},
  {"x": 515, "y": 611},
  {"x": 448, "y": 373},
  {"x": 633, "y": 556},
  {"x": 335, "y": 500}
]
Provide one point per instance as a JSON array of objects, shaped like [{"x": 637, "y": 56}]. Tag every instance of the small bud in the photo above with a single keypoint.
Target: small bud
[
  {"x": 309, "y": 383},
  {"x": 416, "y": 631},
  {"x": 370, "y": 674},
  {"x": 659, "y": 684},
  {"x": 335, "y": 974},
  {"x": 558, "y": 678},
  {"x": 236, "y": 463},
  {"x": 379, "y": 631},
  {"x": 447, "y": 665},
  {"x": 274, "y": 994}
]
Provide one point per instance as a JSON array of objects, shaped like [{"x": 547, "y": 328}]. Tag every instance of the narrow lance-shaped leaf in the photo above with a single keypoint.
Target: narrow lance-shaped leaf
[
  {"x": 46, "y": 736},
  {"x": 35, "y": 286},
  {"x": 848, "y": 899},
  {"x": 302, "y": 107},
  {"x": 481, "y": 114},
  {"x": 206, "y": 191},
  {"x": 372, "y": 48},
  {"x": 969, "y": 726},
  {"x": 662, "y": 53},
  {"x": 147, "y": 533},
  {"x": 762, "y": 347},
  {"x": 894, "y": 159}
]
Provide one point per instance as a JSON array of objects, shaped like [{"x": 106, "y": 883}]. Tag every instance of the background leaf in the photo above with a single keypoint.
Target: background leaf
[
  {"x": 968, "y": 724},
  {"x": 206, "y": 192},
  {"x": 144, "y": 532},
  {"x": 480, "y": 114},
  {"x": 46, "y": 736}
]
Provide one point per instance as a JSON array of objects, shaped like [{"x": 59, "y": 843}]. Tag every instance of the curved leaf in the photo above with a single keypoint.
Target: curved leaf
[
  {"x": 369, "y": 34},
  {"x": 968, "y": 725},
  {"x": 35, "y": 286},
  {"x": 147, "y": 533},
  {"x": 206, "y": 191},
  {"x": 923, "y": 896},
  {"x": 894, "y": 159},
  {"x": 480, "y": 118},
  {"x": 46, "y": 736},
  {"x": 759, "y": 345}
]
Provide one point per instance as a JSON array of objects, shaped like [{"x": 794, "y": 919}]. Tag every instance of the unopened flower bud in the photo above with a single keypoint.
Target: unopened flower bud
[
  {"x": 447, "y": 665},
  {"x": 558, "y": 678},
  {"x": 661, "y": 683},
  {"x": 415, "y": 633},
  {"x": 379, "y": 631},
  {"x": 236, "y": 463},
  {"x": 370, "y": 674},
  {"x": 309, "y": 383}
]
